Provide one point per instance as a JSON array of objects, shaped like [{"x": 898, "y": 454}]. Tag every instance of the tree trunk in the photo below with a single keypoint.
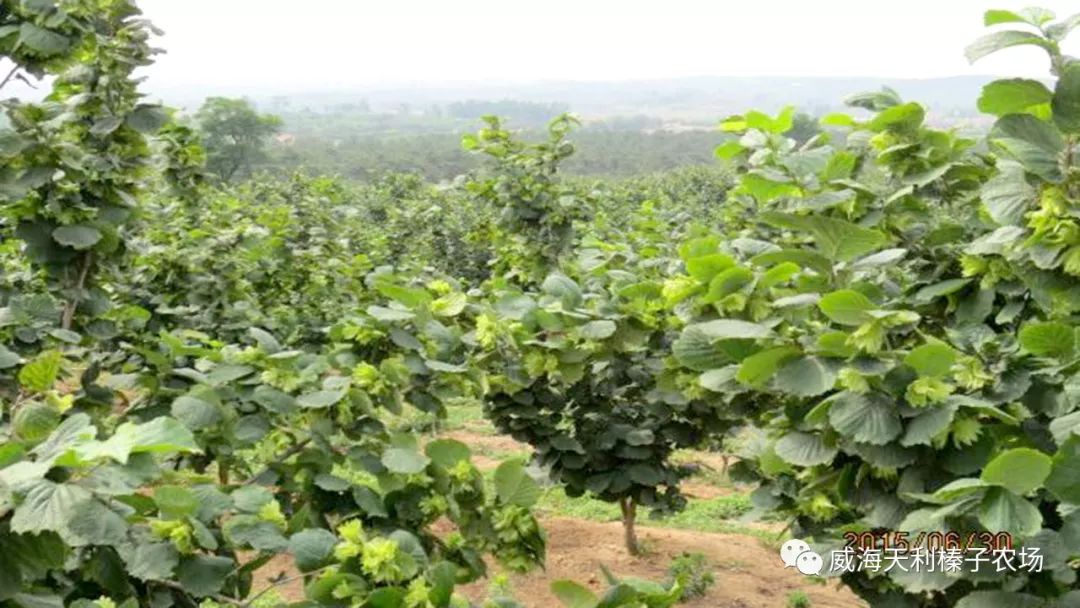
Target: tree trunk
[{"x": 629, "y": 514}]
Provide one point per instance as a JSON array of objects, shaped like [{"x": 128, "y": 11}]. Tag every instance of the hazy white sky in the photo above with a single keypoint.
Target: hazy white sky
[{"x": 328, "y": 44}]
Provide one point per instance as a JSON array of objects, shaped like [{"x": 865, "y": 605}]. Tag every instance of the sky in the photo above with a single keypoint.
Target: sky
[{"x": 336, "y": 44}]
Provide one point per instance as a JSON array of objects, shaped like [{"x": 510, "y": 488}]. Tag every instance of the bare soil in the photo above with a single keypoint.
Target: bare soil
[{"x": 748, "y": 575}]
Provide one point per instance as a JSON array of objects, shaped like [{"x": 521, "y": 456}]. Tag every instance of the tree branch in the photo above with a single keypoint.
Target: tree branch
[
  {"x": 10, "y": 75},
  {"x": 295, "y": 449}
]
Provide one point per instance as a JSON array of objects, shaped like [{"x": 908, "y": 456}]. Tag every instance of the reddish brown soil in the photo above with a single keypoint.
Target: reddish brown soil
[{"x": 748, "y": 575}]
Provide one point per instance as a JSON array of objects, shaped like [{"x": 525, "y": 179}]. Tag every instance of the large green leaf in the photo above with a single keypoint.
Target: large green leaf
[
  {"x": 151, "y": 561},
  {"x": 1000, "y": 40},
  {"x": 176, "y": 501},
  {"x": 321, "y": 399},
  {"x": 1066, "y": 102},
  {"x": 514, "y": 486},
  {"x": 804, "y": 449},
  {"x": 48, "y": 507},
  {"x": 1003, "y": 599},
  {"x": 195, "y": 413},
  {"x": 203, "y": 575},
  {"x": 866, "y": 418},
  {"x": 1014, "y": 96},
  {"x": 696, "y": 350},
  {"x": 837, "y": 240},
  {"x": 312, "y": 548},
  {"x": 93, "y": 523},
  {"x": 806, "y": 377},
  {"x": 160, "y": 435},
  {"x": 404, "y": 460},
  {"x": 1003, "y": 511},
  {"x": 1008, "y": 195},
  {"x": 922, "y": 429},
  {"x": 931, "y": 360},
  {"x": 1050, "y": 339},
  {"x": 447, "y": 452},
  {"x": 1033, "y": 143},
  {"x": 1064, "y": 479},
  {"x": 846, "y": 307},
  {"x": 573, "y": 595},
  {"x": 1020, "y": 470},
  {"x": 758, "y": 368},
  {"x": 42, "y": 372},
  {"x": 727, "y": 329},
  {"x": 77, "y": 237},
  {"x": 43, "y": 41}
]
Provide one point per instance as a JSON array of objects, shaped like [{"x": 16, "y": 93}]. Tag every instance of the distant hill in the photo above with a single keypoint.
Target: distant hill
[{"x": 692, "y": 100}]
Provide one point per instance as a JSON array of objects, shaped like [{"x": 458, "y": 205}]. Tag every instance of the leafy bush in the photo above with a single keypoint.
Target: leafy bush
[{"x": 693, "y": 573}]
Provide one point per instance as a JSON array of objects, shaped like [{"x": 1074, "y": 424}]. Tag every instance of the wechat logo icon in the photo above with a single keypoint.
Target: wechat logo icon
[{"x": 797, "y": 554}]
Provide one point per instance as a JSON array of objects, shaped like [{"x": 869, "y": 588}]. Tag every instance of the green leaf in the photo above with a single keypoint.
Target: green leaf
[
  {"x": 447, "y": 452},
  {"x": 704, "y": 268},
  {"x": 846, "y": 307},
  {"x": 387, "y": 315},
  {"x": 41, "y": 373},
  {"x": 1003, "y": 511},
  {"x": 42, "y": 40},
  {"x": 274, "y": 400},
  {"x": 866, "y": 418},
  {"x": 449, "y": 305},
  {"x": 1033, "y": 143},
  {"x": 1064, "y": 479},
  {"x": 758, "y": 368},
  {"x": 1066, "y": 103},
  {"x": 932, "y": 360},
  {"x": 203, "y": 575},
  {"x": 1000, "y": 40},
  {"x": 804, "y": 449},
  {"x": 598, "y": 330},
  {"x": 806, "y": 377},
  {"x": 77, "y": 236},
  {"x": 563, "y": 288},
  {"x": 147, "y": 118},
  {"x": 1014, "y": 96},
  {"x": 1020, "y": 470},
  {"x": 727, "y": 329},
  {"x": 949, "y": 286},
  {"x": 902, "y": 117},
  {"x": 251, "y": 531},
  {"x": 1003, "y": 599},
  {"x": 176, "y": 502},
  {"x": 251, "y": 498},
  {"x": 405, "y": 461},
  {"x": 8, "y": 359},
  {"x": 321, "y": 399},
  {"x": 573, "y": 595},
  {"x": 696, "y": 350},
  {"x": 514, "y": 486},
  {"x": 48, "y": 507},
  {"x": 765, "y": 190},
  {"x": 160, "y": 435},
  {"x": 838, "y": 240},
  {"x": 195, "y": 413},
  {"x": 151, "y": 561},
  {"x": 1050, "y": 339},
  {"x": 922, "y": 429},
  {"x": 1008, "y": 195},
  {"x": 92, "y": 523},
  {"x": 312, "y": 548}
]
